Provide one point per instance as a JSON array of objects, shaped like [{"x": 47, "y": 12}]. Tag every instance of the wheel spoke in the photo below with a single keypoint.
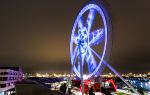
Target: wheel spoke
[
  {"x": 76, "y": 53},
  {"x": 99, "y": 57},
  {"x": 75, "y": 39},
  {"x": 80, "y": 24},
  {"x": 82, "y": 60},
  {"x": 90, "y": 19},
  {"x": 96, "y": 37},
  {"x": 89, "y": 58}
]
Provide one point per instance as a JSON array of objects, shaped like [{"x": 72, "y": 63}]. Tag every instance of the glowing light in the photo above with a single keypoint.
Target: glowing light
[
  {"x": 87, "y": 38},
  {"x": 112, "y": 82},
  {"x": 90, "y": 19},
  {"x": 38, "y": 75},
  {"x": 96, "y": 37},
  {"x": 85, "y": 77}
]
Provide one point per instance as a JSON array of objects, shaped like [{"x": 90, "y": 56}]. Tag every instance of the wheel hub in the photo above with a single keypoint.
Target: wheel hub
[{"x": 83, "y": 40}]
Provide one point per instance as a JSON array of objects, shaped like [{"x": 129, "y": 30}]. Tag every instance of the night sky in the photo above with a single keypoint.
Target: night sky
[{"x": 35, "y": 34}]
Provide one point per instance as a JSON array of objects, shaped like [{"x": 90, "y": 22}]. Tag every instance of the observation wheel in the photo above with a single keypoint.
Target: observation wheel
[{"x": 89, "y": 40}]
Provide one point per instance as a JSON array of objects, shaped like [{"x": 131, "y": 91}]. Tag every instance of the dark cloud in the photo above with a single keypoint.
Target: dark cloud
[{"x": 35, "y": 34}]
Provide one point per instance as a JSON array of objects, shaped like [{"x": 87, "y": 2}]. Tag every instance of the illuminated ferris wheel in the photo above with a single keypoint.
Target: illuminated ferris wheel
[{"x": 89, "y": 40}]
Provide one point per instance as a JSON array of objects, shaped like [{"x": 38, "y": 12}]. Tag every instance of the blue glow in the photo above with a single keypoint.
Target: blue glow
[
  {"x": 96, "y": 37},
  {"x": 90, "y": 61},
  {"x": 90, "y": 19},
  {"x": 80, "y": 24},
  {"x": 82, "y": 40},
  {"x": 87, "y": 38}
]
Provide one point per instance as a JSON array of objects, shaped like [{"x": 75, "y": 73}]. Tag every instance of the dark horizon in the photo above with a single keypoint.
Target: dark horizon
[{"x": 35, "y": 35}]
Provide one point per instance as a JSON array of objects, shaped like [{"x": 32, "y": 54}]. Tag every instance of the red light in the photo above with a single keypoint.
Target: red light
[{"x": 113, "y": 84}]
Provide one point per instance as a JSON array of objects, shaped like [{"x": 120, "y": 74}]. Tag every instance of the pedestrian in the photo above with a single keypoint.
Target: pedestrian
[{"x": 91, "y": 91}]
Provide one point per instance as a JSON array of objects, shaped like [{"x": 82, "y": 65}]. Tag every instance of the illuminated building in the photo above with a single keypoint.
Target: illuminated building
[{"x": 8, "y": 78}]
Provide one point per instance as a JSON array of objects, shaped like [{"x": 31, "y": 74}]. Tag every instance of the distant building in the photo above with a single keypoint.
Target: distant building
[{"x": 8, "y": 77}]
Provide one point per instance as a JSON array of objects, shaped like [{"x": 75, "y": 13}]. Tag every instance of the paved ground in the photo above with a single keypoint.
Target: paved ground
[{"x": 33, "y": 88}]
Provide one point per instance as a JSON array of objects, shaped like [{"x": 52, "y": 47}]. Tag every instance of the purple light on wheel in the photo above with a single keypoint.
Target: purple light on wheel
[{"x": 87, "y": 39}]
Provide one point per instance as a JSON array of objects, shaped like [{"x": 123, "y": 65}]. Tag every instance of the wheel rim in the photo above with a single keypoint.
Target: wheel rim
[{"x": 83, "y": 38}]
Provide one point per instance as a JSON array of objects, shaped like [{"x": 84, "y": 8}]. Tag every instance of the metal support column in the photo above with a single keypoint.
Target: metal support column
[{"x": 81, "y": 69}]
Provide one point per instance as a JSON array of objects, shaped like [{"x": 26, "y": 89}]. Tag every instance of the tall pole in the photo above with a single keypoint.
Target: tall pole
[
  {"x": 70, "y": 77},
  {"x": 81, "y": 68}
]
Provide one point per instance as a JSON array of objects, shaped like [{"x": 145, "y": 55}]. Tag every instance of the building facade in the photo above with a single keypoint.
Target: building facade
[{"x": 8, "y": 78}]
